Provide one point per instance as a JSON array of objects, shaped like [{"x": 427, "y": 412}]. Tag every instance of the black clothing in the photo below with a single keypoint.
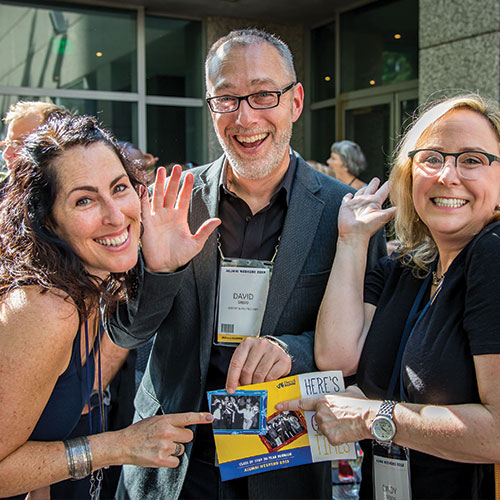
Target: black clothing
[
  {"x": 242, "y": 235},
  {"x": 254, "y": 236},
  {"x": 438, "y": 365}
]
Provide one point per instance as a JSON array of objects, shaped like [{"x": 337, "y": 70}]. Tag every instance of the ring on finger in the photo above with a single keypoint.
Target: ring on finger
[{"x": 178, "y": 449}]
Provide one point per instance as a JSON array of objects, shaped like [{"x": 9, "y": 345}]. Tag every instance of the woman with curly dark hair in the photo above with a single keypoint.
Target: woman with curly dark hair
[{"x": 70, "y": 225}]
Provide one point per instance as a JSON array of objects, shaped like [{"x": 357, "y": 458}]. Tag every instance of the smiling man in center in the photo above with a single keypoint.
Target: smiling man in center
[{"x": 276, "y": 244}]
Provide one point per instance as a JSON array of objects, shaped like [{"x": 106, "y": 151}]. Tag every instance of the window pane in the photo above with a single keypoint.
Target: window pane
[
  {"x": 119, "y": 117},
  {"x": 323, "y": 62},
  {"x": 70, "y": 48},
  {"x": 322, "y": 133},
  {"x": 379, "y": 44},
  {"x": 407, "y": 110},
  {"x": 369, "y": 127},
  {"x": 173, "y": 62},
  {"x": 174, "y": 134}
]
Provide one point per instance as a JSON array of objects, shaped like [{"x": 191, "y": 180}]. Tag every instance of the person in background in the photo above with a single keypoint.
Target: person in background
[
  {"x": 70, "y": 223},
  {"x": 23, "y": 118},
  {"x": 348, "y": 162},
  {"x": 146, "y": 162},
  {"x": 320, "y": 167},
  {"x": 422, "y": 330},
  {"x": 273, "y": 207}
]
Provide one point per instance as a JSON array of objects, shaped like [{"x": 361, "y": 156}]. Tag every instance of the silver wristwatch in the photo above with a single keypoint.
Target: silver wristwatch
[{"x": 383, "y": 428}]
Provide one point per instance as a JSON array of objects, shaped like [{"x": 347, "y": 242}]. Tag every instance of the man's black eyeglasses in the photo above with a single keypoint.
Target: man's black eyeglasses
[{"x": 258, "y": 100}]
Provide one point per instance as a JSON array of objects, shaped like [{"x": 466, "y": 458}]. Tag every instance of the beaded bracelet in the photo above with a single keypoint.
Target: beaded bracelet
[{"x": 79, "y": 457}]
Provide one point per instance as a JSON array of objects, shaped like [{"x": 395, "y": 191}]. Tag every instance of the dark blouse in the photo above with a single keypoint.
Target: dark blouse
[
  {"x": 438, "y": 364},
  {"x": 65, "y": 405}
]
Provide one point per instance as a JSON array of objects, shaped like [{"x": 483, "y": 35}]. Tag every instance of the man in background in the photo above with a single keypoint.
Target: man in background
[{"x": 23, "y": 118}]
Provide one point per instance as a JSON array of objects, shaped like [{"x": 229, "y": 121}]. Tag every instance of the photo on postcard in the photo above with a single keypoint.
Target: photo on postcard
[
  {"x": 283, "y": 428},
  {"x": 243, "y": 412}
]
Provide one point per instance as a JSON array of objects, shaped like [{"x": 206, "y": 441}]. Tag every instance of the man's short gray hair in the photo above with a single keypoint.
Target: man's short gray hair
[
  {"x": 351, "y": 155},
  {"x": 246, "y": 38}
]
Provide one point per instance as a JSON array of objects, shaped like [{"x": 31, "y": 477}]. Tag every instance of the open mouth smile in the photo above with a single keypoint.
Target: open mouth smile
[
  {"x": 114, "y": 241},
  {"x": 449, "y": 202},
  {"x": 251, "y": 141}
]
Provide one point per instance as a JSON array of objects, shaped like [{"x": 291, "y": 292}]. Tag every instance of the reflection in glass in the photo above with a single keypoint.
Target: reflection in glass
[
  {"x": 173, "y": 57},
  {"x": 379, "y": 44},
  {"x": 407, "y": 111},
  {"x": 322, "y": 133},
  {"x": 323, "y": 62},
  {"x": 119, "y": 117},
  {"x": 70, "y": 48},
  {"x": 369, "y": 127},
  {"x": 174, "y": 134}
]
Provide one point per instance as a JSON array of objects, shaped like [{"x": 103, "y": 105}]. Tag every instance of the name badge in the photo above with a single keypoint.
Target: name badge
[
  {"x": 243, "y": 290},
  {"x": 391, "y": 472}
]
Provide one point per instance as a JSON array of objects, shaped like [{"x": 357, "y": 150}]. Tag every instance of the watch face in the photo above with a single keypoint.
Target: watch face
[{"x": 383, "y": 429}]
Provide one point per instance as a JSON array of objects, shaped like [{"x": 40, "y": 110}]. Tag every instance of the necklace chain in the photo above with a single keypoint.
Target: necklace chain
[{"x": 436, "y": 280}]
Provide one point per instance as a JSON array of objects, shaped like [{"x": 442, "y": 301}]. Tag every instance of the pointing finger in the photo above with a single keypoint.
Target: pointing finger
[
  {"x": 305, "y": 404},
  {"x": 236, "y": 365},
  {"x": 191, "y": 418}
]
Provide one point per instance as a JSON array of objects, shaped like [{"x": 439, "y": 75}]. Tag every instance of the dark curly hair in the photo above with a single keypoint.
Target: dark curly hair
[{"x": 31, "y": 253}]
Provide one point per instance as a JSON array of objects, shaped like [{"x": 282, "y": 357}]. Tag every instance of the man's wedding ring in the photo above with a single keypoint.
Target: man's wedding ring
[{"x": 178, "y": 449}]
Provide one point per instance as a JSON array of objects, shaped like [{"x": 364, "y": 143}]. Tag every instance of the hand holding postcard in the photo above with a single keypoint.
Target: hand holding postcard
[{"x": 251, "y": 436}]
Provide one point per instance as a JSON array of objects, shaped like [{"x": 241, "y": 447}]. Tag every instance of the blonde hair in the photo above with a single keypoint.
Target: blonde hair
[
  {"x": 22, "y": 109},
  {"x": 418, "y": 250}
]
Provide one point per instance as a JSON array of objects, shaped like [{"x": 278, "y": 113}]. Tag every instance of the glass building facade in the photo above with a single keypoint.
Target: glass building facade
[
  {"x": 141, "y": 75},
  {"x": 364, "y": 80}
]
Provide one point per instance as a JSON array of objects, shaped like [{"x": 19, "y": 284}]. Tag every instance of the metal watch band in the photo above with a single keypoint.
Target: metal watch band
[
  {"x": 278, "y": 342},
  {"x": 387, "y": 408}
]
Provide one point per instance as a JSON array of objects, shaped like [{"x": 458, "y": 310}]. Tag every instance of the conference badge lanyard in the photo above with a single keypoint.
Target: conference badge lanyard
[
  {"x": 391, "y": 472},
  {"x": 391, "y": 462},
  {"x": 242, "y": 297}
]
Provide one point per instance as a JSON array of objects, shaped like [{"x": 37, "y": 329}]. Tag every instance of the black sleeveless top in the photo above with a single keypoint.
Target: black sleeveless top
[{"x": 65, "y": 405}]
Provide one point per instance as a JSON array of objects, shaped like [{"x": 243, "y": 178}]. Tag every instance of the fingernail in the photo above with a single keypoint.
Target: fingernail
[
  {"x": 209, "y": 418},
  {"x": 279, "y": 406}
]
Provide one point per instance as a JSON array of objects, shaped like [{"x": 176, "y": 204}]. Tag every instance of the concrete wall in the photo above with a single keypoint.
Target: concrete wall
[
  {"x": 292, "y": 35},
  {"x": 459, "y": 48}
]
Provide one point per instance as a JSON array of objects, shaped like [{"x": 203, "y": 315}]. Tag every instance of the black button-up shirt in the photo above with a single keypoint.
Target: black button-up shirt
[
  {"x": 249, "y": 236},
  {"x": 243, "y": 235}
]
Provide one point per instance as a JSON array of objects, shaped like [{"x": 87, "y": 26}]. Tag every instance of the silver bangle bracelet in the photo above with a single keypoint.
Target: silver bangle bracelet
[{"x": 79, "y": 457}]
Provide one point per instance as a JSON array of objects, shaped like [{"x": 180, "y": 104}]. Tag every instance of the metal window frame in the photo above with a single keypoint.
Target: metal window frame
[
  {"x": 384, "y": 94},
  {"x": 140, "y": 97}
]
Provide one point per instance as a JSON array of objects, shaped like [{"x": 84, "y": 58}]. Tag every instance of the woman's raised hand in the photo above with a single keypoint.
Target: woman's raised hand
[
  {"x": 362, "y": 214},
  {"x": 167, "y": 242}
]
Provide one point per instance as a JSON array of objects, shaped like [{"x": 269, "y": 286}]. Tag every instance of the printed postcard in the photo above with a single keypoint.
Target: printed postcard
[{"x": 251, "y": 436}]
